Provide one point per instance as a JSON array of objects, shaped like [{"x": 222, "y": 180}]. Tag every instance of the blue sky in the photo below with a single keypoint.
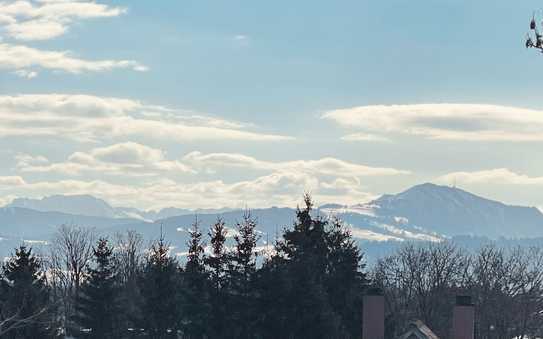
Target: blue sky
[{"x": 196, "y": 103}]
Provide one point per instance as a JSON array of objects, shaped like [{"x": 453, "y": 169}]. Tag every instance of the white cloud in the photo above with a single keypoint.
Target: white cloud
[
  {"x": 327, "y": 175},
  {"x": 365, "y": 137},
  {"x": 324, "y": 166},
  {"x": 35, "y": 30},
  {"x": 11, "y": 181},
  {"x": 45, "y": 20},
  {"x": 123, "y": 159},
  {"x": 468, "y": 122},
  {"x": 23, "y": 73},
  {"x": 498, "y": 176},
  {"x": 23, "y": 58},
  {"x": 88, "y": 118},
  {"x": 26, "y": 160},
  {"x": 242, "y": 39},
  {"x": 160, "y": 183}
]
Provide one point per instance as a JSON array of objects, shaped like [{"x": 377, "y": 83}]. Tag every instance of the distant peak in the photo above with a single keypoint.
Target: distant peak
[{"x": 429, "y": 185}]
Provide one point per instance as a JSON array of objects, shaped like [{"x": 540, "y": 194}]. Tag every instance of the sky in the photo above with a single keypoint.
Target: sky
[{"x": 202, "y": 104}]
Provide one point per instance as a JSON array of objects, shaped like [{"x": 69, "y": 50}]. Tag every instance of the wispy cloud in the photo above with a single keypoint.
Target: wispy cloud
[
  {"x": 463, "y": 122},
  {"x": 23, "y": 73},
  {"x": 23, "y": 58},
  {"x": 365, "y": 137},
  {"x": 86, "y": 118},
  {"x": 324, "y": 166},
  {"x": 242, "y": 39},
  {"x": 498, "y": 176}
]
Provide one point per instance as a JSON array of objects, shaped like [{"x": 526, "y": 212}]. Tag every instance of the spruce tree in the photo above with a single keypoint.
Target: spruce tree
[
  {"x": 98, "y": 307},
  {"x": 241, "y": 274},
  {"x": 159, "y": 286},
  {"x": 217, "y": 264},
  {"x": 302, "y": 266},
  {"x": 26, "y": 310},
  {"x": 346, "y": 281},
  {"x": 273, "y": 309},
  {"x": 195, "y": 293}
]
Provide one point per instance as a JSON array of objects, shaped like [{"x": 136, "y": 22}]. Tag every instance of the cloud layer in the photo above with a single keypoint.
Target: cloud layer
[
  {"x": 462, "y": 122},
  {"x": 184, "y": 182},
  {"x": 48, "y": 19},
  {"x": 86, "y": 118}
]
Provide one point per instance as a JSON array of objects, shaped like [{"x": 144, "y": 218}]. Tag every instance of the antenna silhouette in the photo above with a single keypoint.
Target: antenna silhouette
[{"x": 536, "y": 43}]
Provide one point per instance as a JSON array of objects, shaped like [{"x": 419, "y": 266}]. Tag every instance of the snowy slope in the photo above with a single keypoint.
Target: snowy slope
[{"x": 449, "y": 211}]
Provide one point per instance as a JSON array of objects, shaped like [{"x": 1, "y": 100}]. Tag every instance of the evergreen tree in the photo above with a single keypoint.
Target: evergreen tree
[
  {"x": 272, "y": 285},
  {"x": 217, "y": 264},
  {"x": 241, "y": 274},
  {"x": 25, "y": 306},
  {"x": 98, "y": 305},
  {"x": 159, "y": 286},
  {"x": 313, "y": 259},
  {"x": 304, "y": 249},
  {"x": 345, "y": 281},
  {"x": 195, "y": 287}
]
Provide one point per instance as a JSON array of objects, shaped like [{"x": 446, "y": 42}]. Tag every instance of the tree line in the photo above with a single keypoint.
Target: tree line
[{"x": 311, "y": 286}]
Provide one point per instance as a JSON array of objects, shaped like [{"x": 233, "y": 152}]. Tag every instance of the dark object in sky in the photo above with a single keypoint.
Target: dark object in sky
[
  {"x": 538, "y": 41},
  {"x": 529, "y": 42}
]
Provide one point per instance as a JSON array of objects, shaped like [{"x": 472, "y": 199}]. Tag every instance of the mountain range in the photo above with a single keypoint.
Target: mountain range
[
  {"x": 87, "y": 205},
  {"x": 425, "y": 212}
]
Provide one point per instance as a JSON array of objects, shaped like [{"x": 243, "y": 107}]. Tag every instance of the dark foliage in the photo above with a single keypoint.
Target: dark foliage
[
  {"x": 217, "y": 264},
  {"x": 160, "y": 286},
  {"x": 240, "y": 280},
  {"x": 98, "y": 308},
  {"x": 195, "y": 290},
  {"x": 26, "y": 310}
]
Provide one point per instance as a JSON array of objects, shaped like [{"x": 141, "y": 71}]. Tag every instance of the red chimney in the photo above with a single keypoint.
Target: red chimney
[
  {"x": 463, "y": 318},
  {"x": 373, "y": 316}
]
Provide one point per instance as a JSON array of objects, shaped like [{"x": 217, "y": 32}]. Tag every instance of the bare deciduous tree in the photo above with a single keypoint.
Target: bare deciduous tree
[
  {"x": 128, "y": 260},
  {"x": 419, "y": 283},
  {"x": 506, "y": 284},
  {"x": 128, "y": 254},
  {"x": 71, "y": 252}
]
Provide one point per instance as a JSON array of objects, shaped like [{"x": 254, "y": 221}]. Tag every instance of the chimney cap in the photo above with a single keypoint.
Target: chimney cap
[{"x": 463, "y": 300}]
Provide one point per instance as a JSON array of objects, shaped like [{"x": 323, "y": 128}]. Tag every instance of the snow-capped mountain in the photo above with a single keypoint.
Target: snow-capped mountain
[{"x": 448, "y": 211}]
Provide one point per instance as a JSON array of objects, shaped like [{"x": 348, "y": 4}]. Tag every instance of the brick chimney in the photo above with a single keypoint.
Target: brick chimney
[
  {"x": 463, "y": 318},
  {"x": 373, "y": 316}
]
